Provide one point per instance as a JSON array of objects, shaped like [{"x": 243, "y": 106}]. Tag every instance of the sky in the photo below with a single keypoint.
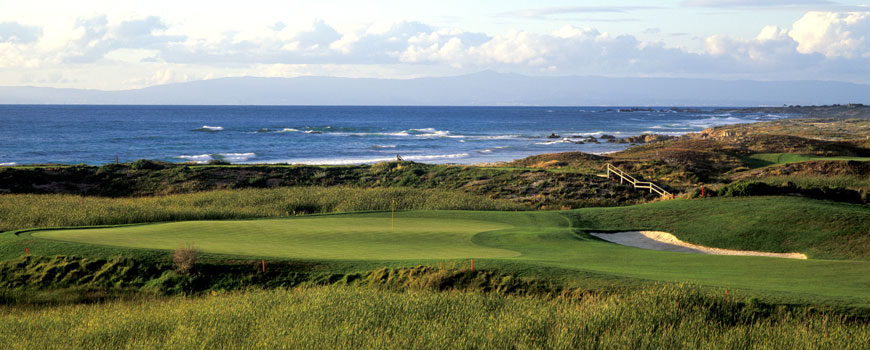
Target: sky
[{"x": 124, "y": 44}]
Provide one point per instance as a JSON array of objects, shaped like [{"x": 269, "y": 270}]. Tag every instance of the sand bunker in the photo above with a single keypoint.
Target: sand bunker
[{"x": 665, "y": 241}]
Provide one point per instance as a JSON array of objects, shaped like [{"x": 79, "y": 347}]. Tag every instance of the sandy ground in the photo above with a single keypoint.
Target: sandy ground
[{"x": 665, "y": 241}]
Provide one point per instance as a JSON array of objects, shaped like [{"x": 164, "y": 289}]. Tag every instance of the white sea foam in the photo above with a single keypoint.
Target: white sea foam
[
  {"x": 229, "y": 157},
  {"x": 236, "y": 157},
  {"x": 383, "y": 146},
  {"x": 564, "y": 140},
  {"x": 199, "y": 158},
  {"x": 494, "y": 137},
  {"x": 670, "y": 127},
  {"x": 717, "y": 120},
  {"x": 432, "y": 132},
  {"x": 211, "y": 128},
  {"x": 595, "y": 133},
  {"x": 669, "y": 133},
  {"x": 288, "y": 130},
  {"x": 360, "y": 160},
  {"x": 8, "y": 164},
  {"x": 490, "y": 150}
]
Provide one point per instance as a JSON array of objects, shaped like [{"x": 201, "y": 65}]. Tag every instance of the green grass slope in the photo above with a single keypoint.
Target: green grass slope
[
  {"x": 759, "y": 160},
  {"x": 554, "y": 245}
]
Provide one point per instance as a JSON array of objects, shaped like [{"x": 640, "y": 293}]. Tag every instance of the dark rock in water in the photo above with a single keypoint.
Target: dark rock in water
[
  {"x": 554, "y": 136},
  {"x": 579, "y": 142},
  {"x": 608, "y": 137}
]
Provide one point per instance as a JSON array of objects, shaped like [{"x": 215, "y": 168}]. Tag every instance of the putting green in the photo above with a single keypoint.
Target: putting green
[{"x": 326, "y": 237}]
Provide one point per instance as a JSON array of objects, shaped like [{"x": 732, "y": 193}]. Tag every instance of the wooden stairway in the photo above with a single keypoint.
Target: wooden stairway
[{"x": 625, "y": 177}]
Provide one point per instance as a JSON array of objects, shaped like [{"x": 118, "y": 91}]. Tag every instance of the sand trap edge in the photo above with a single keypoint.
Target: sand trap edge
[{"x": 658, "y": 240}]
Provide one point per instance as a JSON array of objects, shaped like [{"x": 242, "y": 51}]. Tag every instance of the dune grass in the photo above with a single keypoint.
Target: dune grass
[
  {"x": 760, "y": 160},
  {"x": 52, "y": 210},
  {"x": 852, "y": 182},
  {"x": 362, "y": 318}
]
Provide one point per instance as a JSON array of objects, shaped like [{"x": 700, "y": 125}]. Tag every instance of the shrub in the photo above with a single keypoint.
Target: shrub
[
  {"x": 108, "y": 168},
  {"x": 145, "y": 164},
  {"x": 747, "y": 188},
  {"x": 185, "y": 257}
]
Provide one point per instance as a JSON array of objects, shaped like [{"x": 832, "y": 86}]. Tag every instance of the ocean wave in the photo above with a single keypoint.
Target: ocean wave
[
  {"x": 595, "y": 133},
  {"x": 716, "y": 121},
  {"x": 495, "y": 137},
  {"x": 358, "y": 160},
  {"x": 670, "y": 127},
  {"x": 383, "y": 146},
  {"x": 199, "y": 158},
  {"x": 669, "y": 133},
  {"x": 210, "y": 128},
  {"x": 8, "y": 164},
  {"x": 229, "y": 157},
  {"x": 236, "y": 157},
  {"x": 563, "y": 140},
  {"x": 490, "y": 150},
  {"x": 431, "y": 132}
]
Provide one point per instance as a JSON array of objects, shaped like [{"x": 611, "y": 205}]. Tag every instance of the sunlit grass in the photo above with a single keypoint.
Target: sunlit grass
[
  {"x": 363, "y": 318},
  {"x": 51, "y": 210}
]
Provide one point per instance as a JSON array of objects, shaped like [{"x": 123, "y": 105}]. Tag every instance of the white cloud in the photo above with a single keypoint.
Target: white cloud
[
  {"x": 143, "y": 51},
  {"x": 755, "y": 3},
  {"x": 833, "y": 34},
  {"x": 13, "y": 32},
  {"x": 96, "y": 37}
]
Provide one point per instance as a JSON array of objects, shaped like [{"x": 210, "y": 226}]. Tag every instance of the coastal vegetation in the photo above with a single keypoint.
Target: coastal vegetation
[
  {"x": 51, "y": 210},
  {"x": 348, "y": 317},
  {"x": 401, "y": 254}
]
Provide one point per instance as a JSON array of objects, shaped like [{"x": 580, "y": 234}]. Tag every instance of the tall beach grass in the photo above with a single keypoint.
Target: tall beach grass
[
  {"x": 667, "y": 317},
  {"x": 51, "y": 210}
]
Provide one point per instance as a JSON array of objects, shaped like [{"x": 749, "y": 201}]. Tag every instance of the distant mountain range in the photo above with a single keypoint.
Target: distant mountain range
[{"x": 479, "y": 89}]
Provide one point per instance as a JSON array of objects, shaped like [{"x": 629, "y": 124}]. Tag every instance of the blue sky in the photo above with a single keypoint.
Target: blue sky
[{"x": 128, "y": 44}]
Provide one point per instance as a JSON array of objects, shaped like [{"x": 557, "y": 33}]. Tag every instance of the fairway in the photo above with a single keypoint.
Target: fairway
[{"x": 328, "y": 237}]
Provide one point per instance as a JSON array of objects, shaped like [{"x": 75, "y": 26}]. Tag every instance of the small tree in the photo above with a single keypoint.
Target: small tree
[{"x": 185, "y": 257}]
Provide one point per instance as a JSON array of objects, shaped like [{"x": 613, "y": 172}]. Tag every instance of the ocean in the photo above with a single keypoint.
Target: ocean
[{"x": 74, "y": 134}]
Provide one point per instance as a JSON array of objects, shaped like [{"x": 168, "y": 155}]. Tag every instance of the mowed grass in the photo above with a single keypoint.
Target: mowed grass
[
  {"x": 759, "y": 160},
  {"x": 554, "y": 245},
  {"x": 348, "y": 237},
  {"x": 367, "y": 318}
]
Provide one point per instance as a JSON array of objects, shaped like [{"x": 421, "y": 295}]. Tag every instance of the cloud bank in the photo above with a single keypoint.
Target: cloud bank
[{"x": 819, "y": 45}]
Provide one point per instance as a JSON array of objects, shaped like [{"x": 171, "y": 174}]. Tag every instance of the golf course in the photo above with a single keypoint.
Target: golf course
[
  {"x": 409, "y": 255},
  {"x": 505, "y": 240}
]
